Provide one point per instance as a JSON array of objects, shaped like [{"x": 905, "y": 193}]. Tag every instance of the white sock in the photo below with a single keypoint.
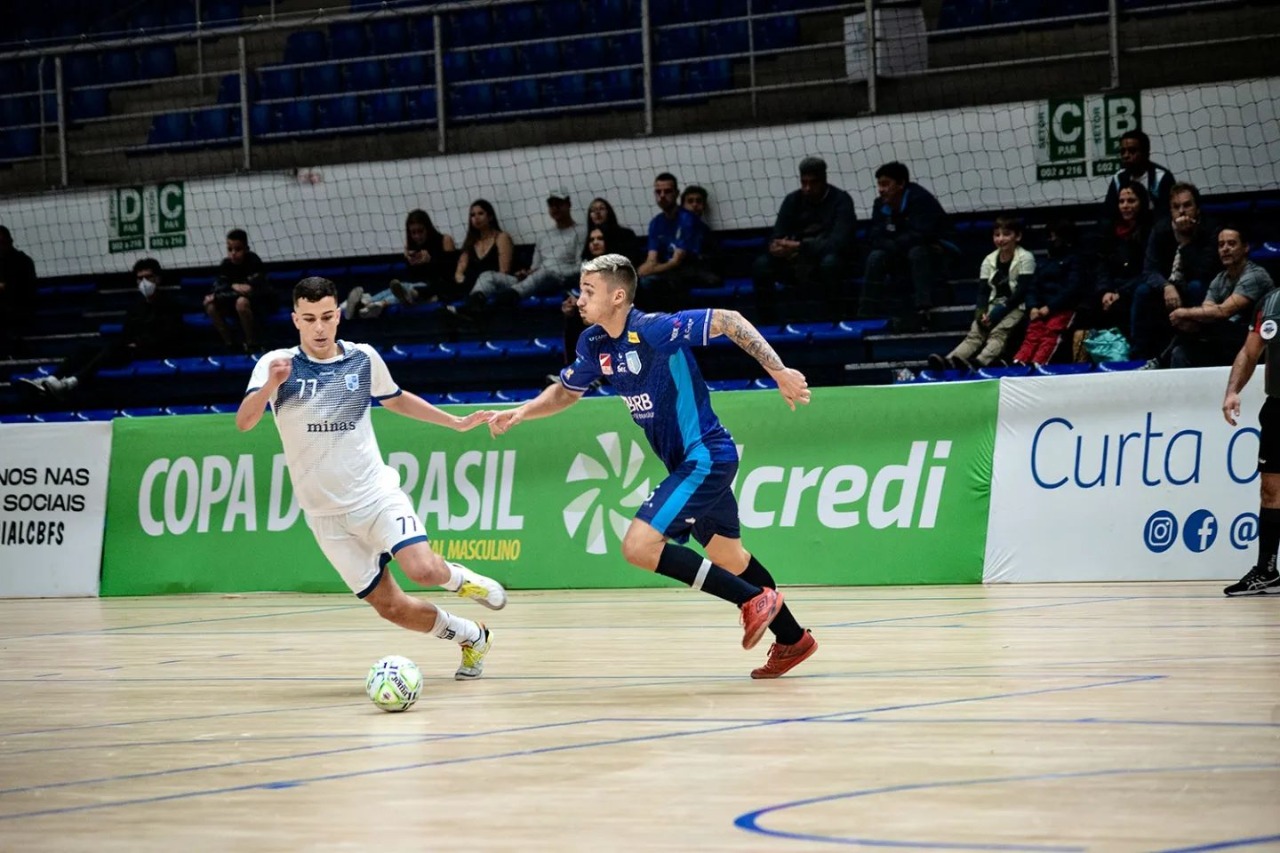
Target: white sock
[
  {"x": 461, "y": 631},
  {"x": 456, "y": 577}
]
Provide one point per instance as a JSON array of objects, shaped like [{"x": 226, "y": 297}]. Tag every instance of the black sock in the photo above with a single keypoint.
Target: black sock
[
  {"x": 784, "y": 626},
  {"x": 684, "y": 565},
  {"x": 1268, "y": 538}
]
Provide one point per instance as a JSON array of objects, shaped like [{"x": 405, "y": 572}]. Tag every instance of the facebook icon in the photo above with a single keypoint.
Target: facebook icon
[{"x": 1200, "y": 531}]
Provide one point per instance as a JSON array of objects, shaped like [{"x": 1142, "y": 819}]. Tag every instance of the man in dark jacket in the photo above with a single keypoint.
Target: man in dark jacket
[
  {"x": 1136, "y": 168},
  {"x": 17, "y": 292},
  {"x": 810, "y": 245},
  {"x": 909, "y": 234},
  {"x": 1182, "y": 258},
  {"x": 153, "y": 328}
]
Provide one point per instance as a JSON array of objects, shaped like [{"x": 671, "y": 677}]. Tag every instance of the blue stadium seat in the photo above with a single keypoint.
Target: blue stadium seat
[
  {"x": 520, "y": 18},
  {"x": 471, "y": 99},
  {"x": 1011, "y": 372},
  {"x": 322, "y": 80},
  {"x": 234, "y": 363},
  {"x": 385, "y": 108},
  {"x": 470, "y": 26},
  {"x": 79, "y": 69},
  {"x": 229, "y": 89},
  {"x": 224, "y": 408},
  {"x": 153, "y": 367},
  {"x": 422, "y": 33},
  {"x": 516, "y": 96},
  {"x": 1016, "y": 11},
  {"x": 365, "y": 76},
  {"x": 97, "y": 414},
  {"x": 567, "y": 90},
  {"x": 540, "y": 58},
  {"x": 56, "y": 417},
  {"x": 563, "y": 17},
  {"x": 389, "y": 36},
  {"x": 405, "y": 71},
  {"x": 221, "y": 13},
  {"x": 1121, "y": 366},
  {"x": 193, "y": 366},
  {"x": 186, "y": 410},
  {"x": 668, "y": 80},
  {"x": 261, "y": 120},
  {"x": 277, "y": 83},
  {"x": 604, "y": 15},
  {"x": 425, "y": 352},
  {"x": 672, "y": 11},
  {"x": 305, "y": 46},
  {"x": 586, "y": 53},
  {"x": 683, "y": 43},
  {"x": 143, "y": 412},
  {"x": 777, "y": 33},
  {"x": 494, "y": 62},
  {"x": 16, "y": 418},
  {"x": 213, "y": 124},
  {"x": 349, "y": 40},
  {"x": 478, "y": 351},
  {"x": 710, "y": 75},
  {"x": 843, "y": 331},
  {"x": 730, "y": 385},
  {"x": 157, "y": 61},
  {"x": 457, "y": 66},
  {"x": 956, "y": 14},
  {"x": 297, "y": 116},
  {"x": 621, "y": 85},
  {"x": 17, "y": 111},
  {"x": 1062, "y": 369},
  {"x": 526, "y": 349},
  {"x": 85, "y": 104},
  {"x": 343, "y": 111},
  {"x": 169, "y": 128},
  {"x": 516, "y": 395},
  {"x": 730, "y": 37},
  {"x": 469, "y": 398},
  {"x": 420, "y": 106}
]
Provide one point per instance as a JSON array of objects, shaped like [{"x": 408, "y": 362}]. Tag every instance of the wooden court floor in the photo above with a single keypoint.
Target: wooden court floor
[{"x": 1036, "y": 718}]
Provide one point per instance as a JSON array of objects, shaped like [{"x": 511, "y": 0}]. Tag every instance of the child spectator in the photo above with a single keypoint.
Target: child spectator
[
  {"x": 1005, "y": 274},
  {"x": 429, "y": 256},
  {"x": 1052, "y": 296},
  {"x": 240, "y": 290}
]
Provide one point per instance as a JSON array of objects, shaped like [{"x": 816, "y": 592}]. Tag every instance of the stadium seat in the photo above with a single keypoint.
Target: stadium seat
[
  {"x": 494, "y": 62},
  {"x": 539, "y": 58},
  {"x": 668, "y": 81},
  {"x": 729, "y": 37},
  {"x": 516, "y": 395},
  {"x": 518, "y": 18},
  {"x": 322, "y": 80},
  {"x": 277, "y": 83},
  {"x": 469, "y": 398},
  {"x": 777, "y": 33},
  {"x": 213, "y": 124},
  {"x": 389, "y": 36},
  {"x": 56, "y": 417},
  {"x": 15, "y": 418},
  {"x": 85, "y": 104},
  {"x": 221, "y": 13},
  {"x": 405, "y": 71},
  {"x": 97, "y": 414},
  {"x": 471, "y": 99},
  {"x": 305, "y": 46},
  {"x": 169, "y": 128},
  {"x": 385, "y": 108},
  {"x": 297, "y": 116},
  {"x": 562, "y": 17},
  {"x": 516, "y": 95},
  {"x": 186, "y": 410},
  {"x": 1121, "y": 366},
  {"x": 157, "y": 61},
  {"x": 683, "y": 43},
  {"x": 224, "y": 408},
  {"x": 193, "y": 366},
  {"x": 333, "y": 113},
  {"x": 420, "y": 106},
  {"x": 1012, "y": 371},
  {"x": 468, "y": 27},
  {"x": 349, "y": 40},
  {"x": 19, "y": 143},
  {"x": 365, "y": 76},
  {"x": 604, "y": 15},
  {"x": 143, "y": 412},
  {"x": 1062, "y": 369},
  {"x": 582, "y": 54},
  {"x": 478, "y": 351},
  {"x": 425, "y": 352},
  {"x": 710, "y": 75},
  {"x": 1016, "y": 11},
  {"x": 422, "y": 33},
  {"x": 621, "y": 84}
]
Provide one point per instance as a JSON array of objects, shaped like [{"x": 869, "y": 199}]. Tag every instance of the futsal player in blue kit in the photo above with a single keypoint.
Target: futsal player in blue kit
[{"x": 648, "y": 360}]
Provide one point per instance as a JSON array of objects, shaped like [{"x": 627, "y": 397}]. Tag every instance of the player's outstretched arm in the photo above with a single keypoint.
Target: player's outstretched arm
[
  {"x": 792, "y": 385},
  {"x": 254, "y": 403},
  {"x": 1241, "y": 371},
  {"x": 553, "y": 399},
  {"x": 412, "y": 406}
]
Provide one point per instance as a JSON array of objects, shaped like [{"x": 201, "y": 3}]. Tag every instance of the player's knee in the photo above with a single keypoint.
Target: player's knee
[
  {"x": 393, "y": 608},
  {"x": 639, "y": 551},
  {"x": 242, "y": 305}
]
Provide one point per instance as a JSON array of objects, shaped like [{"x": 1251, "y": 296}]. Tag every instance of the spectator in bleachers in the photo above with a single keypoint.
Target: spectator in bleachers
[
  {"x": 675, "y": 243},
  {"x": 1005, "y": 275},
  {"x": 909, "y": 235},
  {"x": 1052, "y": 295},
  {"x": 597, "y": 245},
  {"x": 1136, "y": 168},
  {"x": 1212, "y": 333},
  {"x": 810, "y": 247},
  {"x": 153, "y": 328},
  {"x": 1122, "y": 246},
  {"x": 668, "y": 290},
  {"x": 430, "y": 258},
  {"x": 556, "y": 255},
  {"x": 240, "y": 290},
  {"x": 1181, "y": 259},
  {"x": 487, "y": 248},
  {"x": 621, "y": 239},
  {"x": 18, "y": 285}
]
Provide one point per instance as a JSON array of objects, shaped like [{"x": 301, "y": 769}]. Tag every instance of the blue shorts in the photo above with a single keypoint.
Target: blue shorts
[{"x": 695, "y": 499}]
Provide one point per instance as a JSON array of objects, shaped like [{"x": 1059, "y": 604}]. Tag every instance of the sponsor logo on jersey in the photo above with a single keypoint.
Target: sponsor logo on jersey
[
  {"x": 353, "y": 381},
  {"x": 1267, "y": 330},
  {"x": 633, "y": 338},
  {"x": 606, "y": 364},
  {"x": 331, "y": 426},
  {"x": 632, "y": 358}
]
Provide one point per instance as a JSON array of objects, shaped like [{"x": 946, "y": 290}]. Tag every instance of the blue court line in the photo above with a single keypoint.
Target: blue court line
[
  {"x": 1227, "y": 845},
  {"x": 122, "y": 724},
  {"x": 545, "y": 750},
  {"x": 118, "y": 628},
  {"x": 750, "y": 821}
]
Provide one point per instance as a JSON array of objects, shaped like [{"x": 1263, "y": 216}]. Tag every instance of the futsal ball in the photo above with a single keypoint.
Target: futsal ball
[{"x": 394, "y": 683}]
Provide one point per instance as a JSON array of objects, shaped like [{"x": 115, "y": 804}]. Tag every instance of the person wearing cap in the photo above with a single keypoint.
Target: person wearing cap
[
  {"x": 556, "y": 256},
  {"x": 810, "y": 245}
]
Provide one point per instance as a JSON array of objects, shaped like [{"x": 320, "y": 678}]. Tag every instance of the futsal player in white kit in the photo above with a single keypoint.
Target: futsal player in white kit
[{"x": 319, "y": 392}]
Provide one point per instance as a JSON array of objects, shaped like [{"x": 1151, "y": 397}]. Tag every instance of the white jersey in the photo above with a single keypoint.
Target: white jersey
[{"x": 322, "y": 413}]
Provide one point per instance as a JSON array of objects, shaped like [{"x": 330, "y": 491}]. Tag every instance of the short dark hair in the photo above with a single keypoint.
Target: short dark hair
[
  {"x": 617, "y": 271},
  {"x": 238, "y": 234},
  {"x": 694, "y": 189},
  {"x": 814, "y": 167},
  {"x": 1065, "y": 230},
  {"x": 1185, "y": 187},
  {"x": 150, "y": 264},
  {"x": 894, "y": 171},
  {"x": 313, "y": 288},
  {"x": 1008, "y": 222},
  {"x": 1236, "y": 227},
  {"x": 667, "y": 176},
  {"x": 1144, "y": 141}
]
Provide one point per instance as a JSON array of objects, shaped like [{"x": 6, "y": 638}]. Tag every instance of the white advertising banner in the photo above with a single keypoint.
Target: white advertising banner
[
  {"x": 1123, "y": 477},
  {"x": 53, "y": 503}
]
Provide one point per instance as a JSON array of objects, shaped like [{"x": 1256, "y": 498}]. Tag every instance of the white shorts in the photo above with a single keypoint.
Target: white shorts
[{"x": 360, "y": 543}]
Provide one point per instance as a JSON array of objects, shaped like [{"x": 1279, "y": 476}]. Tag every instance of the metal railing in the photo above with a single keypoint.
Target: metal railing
[{"x": 54, "y": 147}]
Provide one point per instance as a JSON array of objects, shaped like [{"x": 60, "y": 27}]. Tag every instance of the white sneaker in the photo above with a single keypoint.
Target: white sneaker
[
  {"x": 352, "y": 305},
  {"x": 40, "y": 384},
  {"x": 486, "y": 591},
  {"x": 371, "y": 311}
]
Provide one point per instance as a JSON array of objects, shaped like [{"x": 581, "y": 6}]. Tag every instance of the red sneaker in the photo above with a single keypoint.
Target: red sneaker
[
  {"x": 757, "y": 614},
  {"x": 782, "y": 659}
]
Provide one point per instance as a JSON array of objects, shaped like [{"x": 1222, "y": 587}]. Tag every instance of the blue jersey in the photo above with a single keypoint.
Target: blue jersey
[
  {"x": 652, "y": 368},
  {"x": 684, "y": 231}
]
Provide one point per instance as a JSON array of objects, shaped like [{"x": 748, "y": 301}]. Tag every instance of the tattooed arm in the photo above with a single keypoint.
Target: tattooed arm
[{"x": 731, "y": 324}]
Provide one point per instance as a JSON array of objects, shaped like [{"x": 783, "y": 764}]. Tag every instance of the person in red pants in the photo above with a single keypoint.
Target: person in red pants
[{"x": 1053, "y": 296}]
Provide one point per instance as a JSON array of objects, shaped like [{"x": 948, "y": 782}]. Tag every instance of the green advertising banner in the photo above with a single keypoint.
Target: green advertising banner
[{"x": 883, "y": 485}]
